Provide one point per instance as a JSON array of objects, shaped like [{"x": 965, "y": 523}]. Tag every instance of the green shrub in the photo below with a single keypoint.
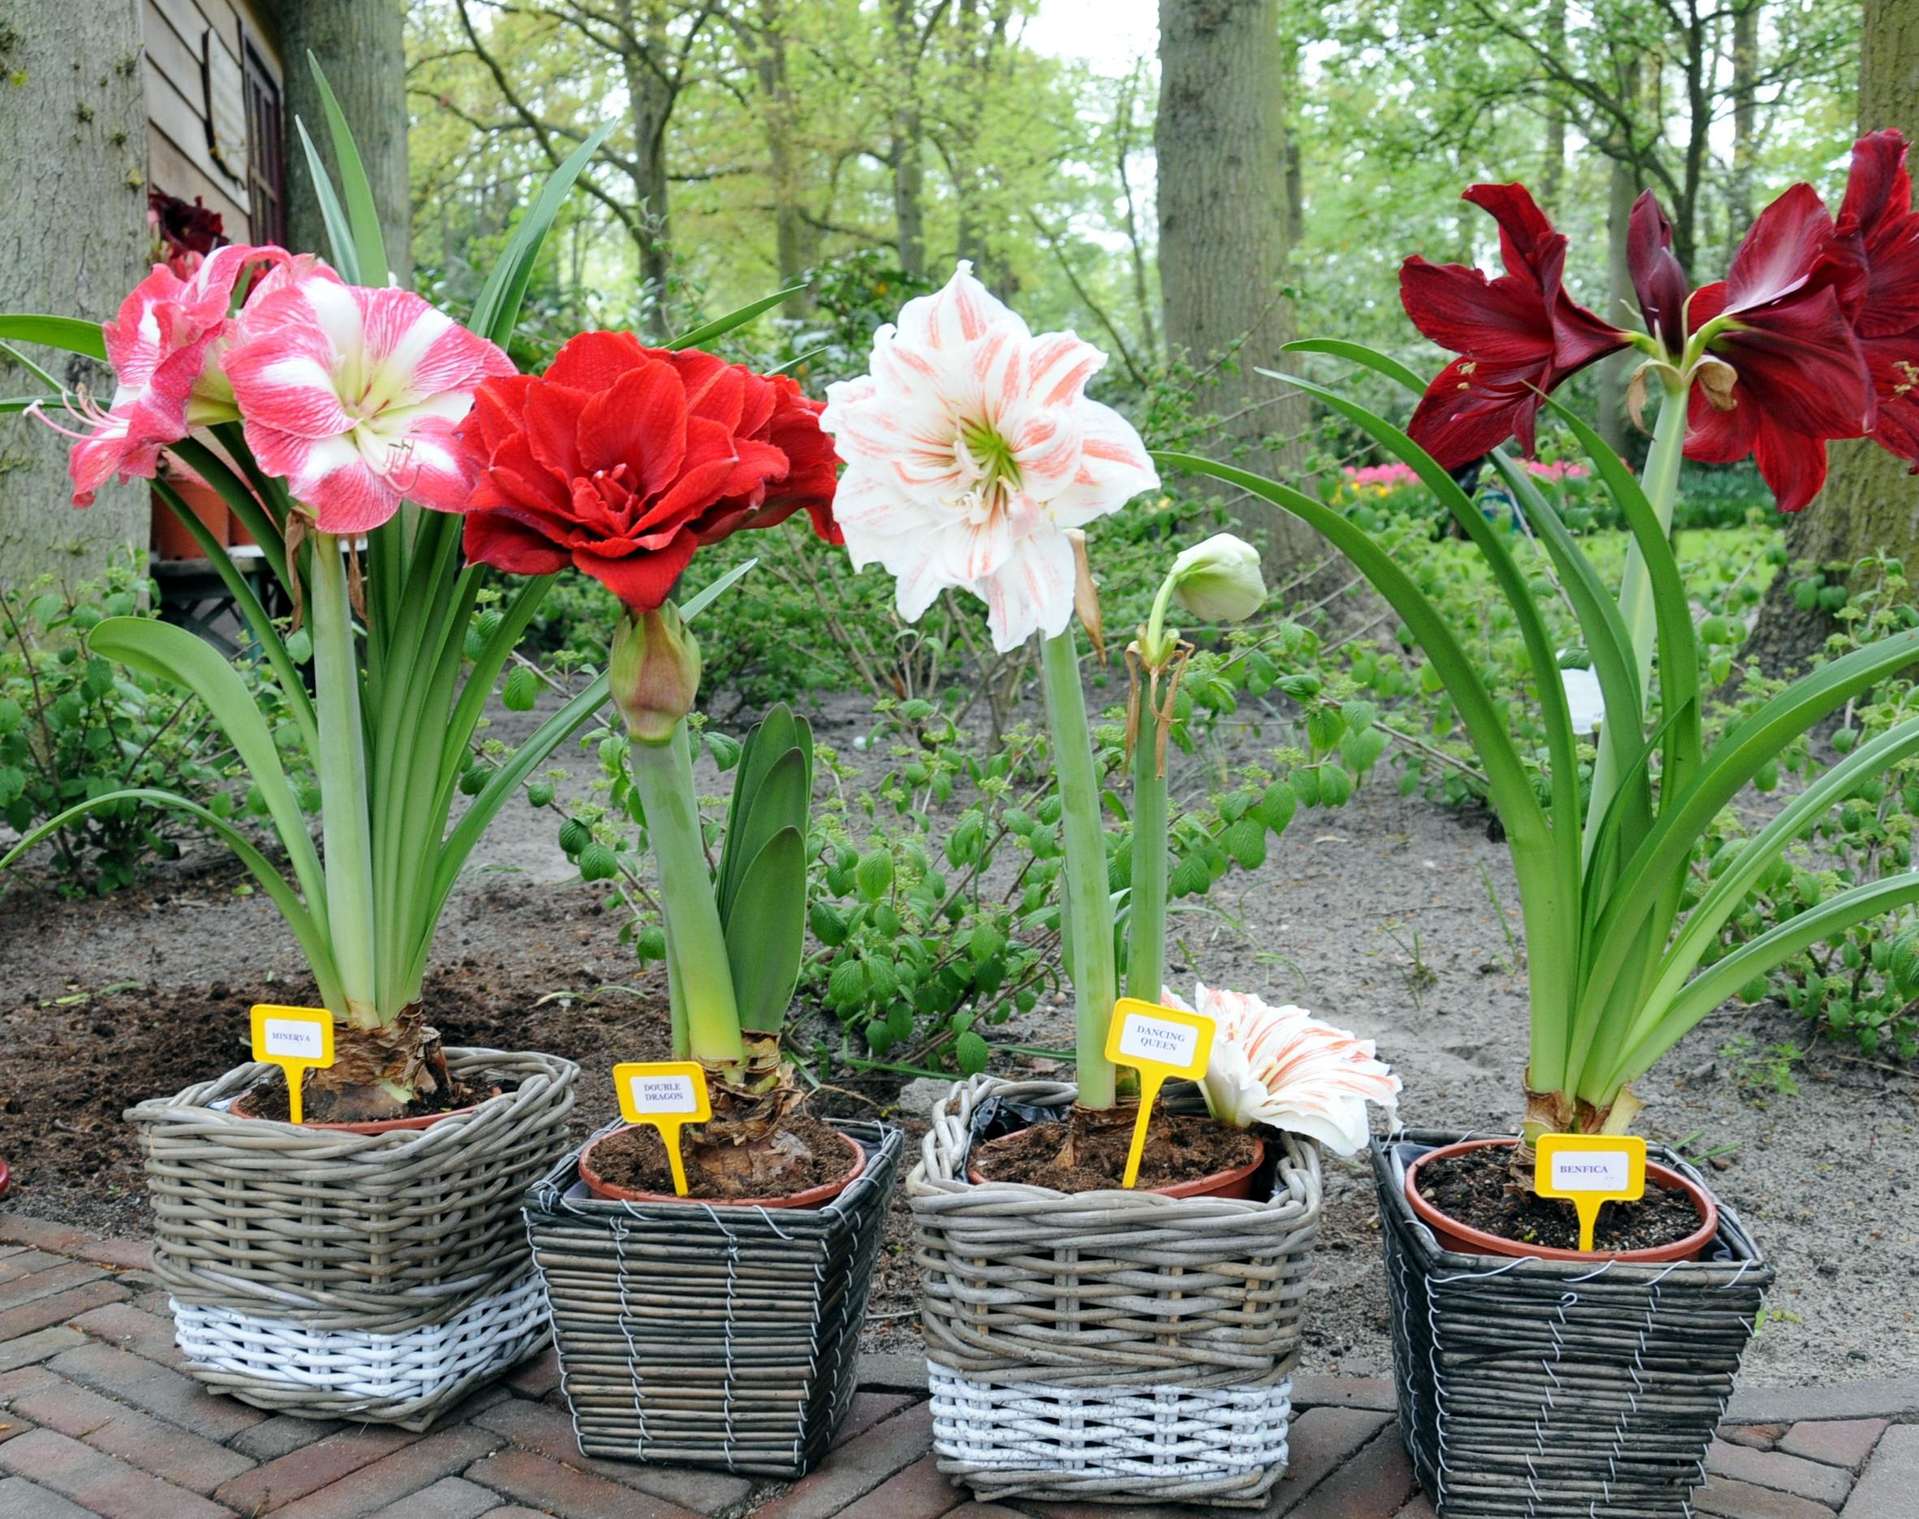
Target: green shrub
[{"x": 74, "y": 726}]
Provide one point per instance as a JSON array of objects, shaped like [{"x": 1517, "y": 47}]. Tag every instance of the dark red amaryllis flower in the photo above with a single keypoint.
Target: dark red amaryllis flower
[
  {"x": 622, "y": 460},
  {"x": 1798, "y": 377},
  {"x": 1878, "y": 210},
  {"x": 1517, "y": 335},
  {"x": 1657, "y": 277}
]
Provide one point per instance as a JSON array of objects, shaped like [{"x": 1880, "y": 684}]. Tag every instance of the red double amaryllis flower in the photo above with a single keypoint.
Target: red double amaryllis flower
[
  {"x": 1517, "y": 336},
  {"x": 621, "y": 460},
  {"x": 1877, "y": 211},
  {"x": 1780, "y": 320}
]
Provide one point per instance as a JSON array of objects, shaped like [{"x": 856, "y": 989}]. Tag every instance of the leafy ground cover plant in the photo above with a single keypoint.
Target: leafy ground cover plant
[
  {"x": 74, "y": 728},
  {"x": 1613, "y": 965}
]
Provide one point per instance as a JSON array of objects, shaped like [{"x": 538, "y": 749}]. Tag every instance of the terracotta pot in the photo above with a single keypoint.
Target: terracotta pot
[
  {"x": 170, "y": 536},
  {"x": 1236, "y": 1182},
  {"x": 1465, "y": 1239},
  {"x": 812, "y": 1197}
]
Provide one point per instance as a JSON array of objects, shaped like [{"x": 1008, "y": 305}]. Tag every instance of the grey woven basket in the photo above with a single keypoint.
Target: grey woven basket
[
  {"x": 367, "y": 1276},
  {"x": 1531, "y": 1389},
  {"x": 710, "y": 1335},
  {"x": 1108, "y": 1345}
]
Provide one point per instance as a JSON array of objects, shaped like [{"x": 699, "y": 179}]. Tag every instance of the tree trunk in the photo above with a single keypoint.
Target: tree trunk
[
  {"x": 73, "y": 242},
  {"x": 1745, "y": 119},
  {"x": 1224, "y": 237},
  {"x": 1552, "y": 170},
  {"x": 359, "y": 44},
  {"x": 1871, "y": 503},
  {"x": 907, "y": 150},
  {"x": 780, "y": 118}
]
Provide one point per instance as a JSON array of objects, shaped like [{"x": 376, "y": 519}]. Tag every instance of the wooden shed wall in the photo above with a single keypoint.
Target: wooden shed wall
[{"x": 181, "y": 159}]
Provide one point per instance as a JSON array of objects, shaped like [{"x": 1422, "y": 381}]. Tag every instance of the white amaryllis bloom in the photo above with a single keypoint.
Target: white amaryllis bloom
[
  {"x": 970, "y": 449},
  {"x": 1282, "y": 1067}
]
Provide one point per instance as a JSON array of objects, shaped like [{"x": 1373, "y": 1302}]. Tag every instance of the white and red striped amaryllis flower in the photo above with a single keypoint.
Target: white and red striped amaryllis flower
[
  {"x": 352, "y": 395},
  {"x": 971, "y": 448},
  {"x": 165, "y": 345},
  {"x": 1282, "y": 1067}
]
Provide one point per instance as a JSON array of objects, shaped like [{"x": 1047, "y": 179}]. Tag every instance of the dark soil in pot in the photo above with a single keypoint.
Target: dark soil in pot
[
  {"x": 802, "y": 1158},
  {"x": 1087, "y": 1153},
  {"x": 1475, "y": 1187}
]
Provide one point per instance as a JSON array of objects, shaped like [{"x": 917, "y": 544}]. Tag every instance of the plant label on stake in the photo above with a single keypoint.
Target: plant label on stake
[
  {"x": 295, "y": 1039},
  {"x": 668, "y": 1094},
  {"x": 1159, "y": 1043},
  {"x": 1590, "y": 1169}
]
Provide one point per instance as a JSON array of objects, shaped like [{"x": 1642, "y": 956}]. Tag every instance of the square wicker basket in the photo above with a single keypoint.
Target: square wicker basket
[
  {"x": 710, "y": 1335},
  {"x": 1531, "y": 1388},
  {"x": 340, "y": 1275},
  {"x": 1112, "y": 1345}
]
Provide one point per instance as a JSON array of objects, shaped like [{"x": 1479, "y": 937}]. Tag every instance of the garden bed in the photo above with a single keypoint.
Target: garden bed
[{"x": 109, "y": 1002}]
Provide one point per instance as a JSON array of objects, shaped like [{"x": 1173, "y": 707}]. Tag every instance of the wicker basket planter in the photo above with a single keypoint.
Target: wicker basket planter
[
  {"x": 708, "y": 1334},
  {"x": 1108, "y": 1345},
  {"x": 1531, "y": 1387},
  {"x": 372, "y": 1277}
]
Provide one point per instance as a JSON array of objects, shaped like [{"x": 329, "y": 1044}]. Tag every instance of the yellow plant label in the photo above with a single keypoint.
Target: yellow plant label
[
  {"x": 1590, "y": 1169},
  {"x": 294, "y": 1039},
  {"x": 1160, "y": 1043},
  {"x": 667, "y": 1094}
]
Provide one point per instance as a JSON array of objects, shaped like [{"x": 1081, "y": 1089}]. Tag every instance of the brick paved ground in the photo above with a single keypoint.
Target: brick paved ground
[{"x": 96, "y": 1419}]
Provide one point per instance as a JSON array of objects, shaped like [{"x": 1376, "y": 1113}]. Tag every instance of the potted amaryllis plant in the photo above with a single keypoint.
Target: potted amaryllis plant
[
  {"x": 1800, "y": 343},
  {"x": 369, "y": 1262},
  {"x": 973, "y": 459},
  {"x": 622, "y": 460}
]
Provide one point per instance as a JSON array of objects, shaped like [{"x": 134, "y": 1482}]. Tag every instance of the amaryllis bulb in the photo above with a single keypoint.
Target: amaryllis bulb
[
  {"x": 654, "y": 672},
  {"x": 1219, "y": 580}
]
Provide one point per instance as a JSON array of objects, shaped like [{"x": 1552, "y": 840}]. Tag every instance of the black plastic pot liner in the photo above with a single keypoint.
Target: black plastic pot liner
[
  {"x": 1535, "y": 1389},
  {"x": 706, "y": 1335}
]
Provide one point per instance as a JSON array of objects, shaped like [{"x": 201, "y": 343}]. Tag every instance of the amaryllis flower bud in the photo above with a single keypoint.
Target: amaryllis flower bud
[
  {"x": 1219, "y": 580},
  {"x": 654, "y": 672}
]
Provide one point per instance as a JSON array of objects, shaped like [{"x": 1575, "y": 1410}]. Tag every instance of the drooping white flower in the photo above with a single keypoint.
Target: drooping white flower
[
  {"x": 970, "y": 449},
  {"x": 1282, "y": 1067}
]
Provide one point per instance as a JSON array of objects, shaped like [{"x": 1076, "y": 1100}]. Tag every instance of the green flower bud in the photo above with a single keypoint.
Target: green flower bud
[
  {"x": 1219, "y": 580},
  {"x": 654, "y": 671}
]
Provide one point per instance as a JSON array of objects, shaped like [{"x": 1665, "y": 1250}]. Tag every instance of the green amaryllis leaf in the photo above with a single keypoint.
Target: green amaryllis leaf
[
  {"x": 11, "y": 405},
  {"x": 306, "y": 928},
  {"x": 1672, "y": 611},
  {"x": 160, "y": 649},
  {"x": 776, "y": 734},
  {"x": 1752, "y": 743},
  {"x": 339, "y": 230},
  {"x": 765, "y": 932},
  {"x": 1732, "y": 887},
  {"x": 1359, "y": 353},
  {"x": 779, "y": 800},
  {"x": 31, "y": 368},
  {"x": 1756, "y": 957},
  {"x": 66, "y": 332},
  {"x": 1549, "y": 1039},
  {"x": 265, "y": 634},
  {"x": 504, "y": 783},
  {"x": 707, "y": 595},
  {"x": 497, "y": 312},
  {"x": 239, "y": 500},
  {"x": 721, "y": 325},
  {"x": 363, "y": 215}
]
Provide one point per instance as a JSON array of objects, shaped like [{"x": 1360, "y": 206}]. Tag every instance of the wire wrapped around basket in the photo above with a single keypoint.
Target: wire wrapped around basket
[
  {"x": 711, "y": 1334},
  {"x": 1111, "y": 1343},
  {"x": 1532, "y": 1387},
  {"x": 372, "y": 1275}
]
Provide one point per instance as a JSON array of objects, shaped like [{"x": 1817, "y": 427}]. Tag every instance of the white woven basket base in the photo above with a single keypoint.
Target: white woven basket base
[
  {"x": 404, "y": 1368},
  {"x": 1190, "y": 1434}
]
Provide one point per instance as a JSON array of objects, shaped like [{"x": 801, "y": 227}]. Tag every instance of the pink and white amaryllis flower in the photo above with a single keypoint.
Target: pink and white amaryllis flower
[
  {"x": 1282, "y": 1067},
  {"x": 352, "y": 396},
  {"x": 971, "y": 449},
  {"x": 165, "y": 345}
]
